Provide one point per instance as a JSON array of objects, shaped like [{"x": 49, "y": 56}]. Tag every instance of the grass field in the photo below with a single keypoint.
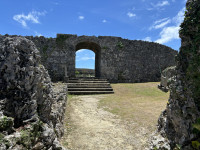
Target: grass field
[{"x": 139, "y": 102}]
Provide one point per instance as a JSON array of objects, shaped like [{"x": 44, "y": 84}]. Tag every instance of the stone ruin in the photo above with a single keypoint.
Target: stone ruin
[
  {"x": 31, "y": 112},
  {"x": 116, "y": 59},
  {"x": 179, "y": 124}
]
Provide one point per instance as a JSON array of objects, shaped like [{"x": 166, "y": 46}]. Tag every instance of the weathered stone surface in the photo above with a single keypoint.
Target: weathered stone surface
[
  {"x": 166, "y": 76},
  {"x": 27, "y": 96},
  {"x": 179, "y": 124},
  {"x": 117, "y": 59}
]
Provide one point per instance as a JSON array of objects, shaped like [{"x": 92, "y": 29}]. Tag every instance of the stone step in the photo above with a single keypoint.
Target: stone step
[
  {"x": 88, "y": 85},
  {"x": 84, "y": 86},
  {"x": 90, "y": 89},
  {"x": 90, "y": 92},
  {"x": 87, "y": 81}
]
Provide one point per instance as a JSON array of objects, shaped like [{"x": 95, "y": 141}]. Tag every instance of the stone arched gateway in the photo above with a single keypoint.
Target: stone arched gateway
[
  {"x": 96, "y": 49},
  {"x": 119, "y": 60}
]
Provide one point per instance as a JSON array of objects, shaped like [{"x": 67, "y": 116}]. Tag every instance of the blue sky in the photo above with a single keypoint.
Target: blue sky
[{"x": 150, "y": 20}]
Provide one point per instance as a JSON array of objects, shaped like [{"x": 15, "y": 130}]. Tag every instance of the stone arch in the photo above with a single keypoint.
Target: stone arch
[{"x": 97, "y": 50}]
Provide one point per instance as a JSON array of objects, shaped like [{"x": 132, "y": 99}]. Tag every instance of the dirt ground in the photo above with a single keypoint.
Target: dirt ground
[{"x": 91, "y": 128}]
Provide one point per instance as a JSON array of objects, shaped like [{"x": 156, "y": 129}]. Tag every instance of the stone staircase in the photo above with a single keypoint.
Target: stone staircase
[{"x": 86, "y": 86}]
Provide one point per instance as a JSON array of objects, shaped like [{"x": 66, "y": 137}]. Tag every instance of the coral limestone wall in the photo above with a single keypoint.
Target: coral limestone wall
[
  {"x": 179, "y": 124},
  {"x": 31, "y": 113},
  {"x": 117, "y": 59}
]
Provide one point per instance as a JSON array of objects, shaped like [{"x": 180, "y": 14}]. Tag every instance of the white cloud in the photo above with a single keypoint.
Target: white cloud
[
  {"x": 85, "y": 58},
  {"x": 162, "y": 24},
  {"x": 147, "y": 39},
  {"x": 32, "y": 17},
  {"x": 168, "y": 34},
  {"x": 104, "y": 21},
  {"x": 160, "y": 20},
  {"x": 149, "y": 9},
  {"x": 81, "y": 17},
  {"x": 172, "y": 32},
  {"x": 161, "y": 4},
  {"x": 38, "y": 34},
  {"x": 158, "y": 5},
  {"x": 178, "y": 19},
  {"x": 129, "y": 14},
  {"x": 158, "y": 24}
]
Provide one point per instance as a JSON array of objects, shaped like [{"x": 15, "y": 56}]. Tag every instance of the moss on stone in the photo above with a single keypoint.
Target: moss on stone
[
  {"x": 30, "y": 136},
  {"x": 190, "y": 56},
  {"x": 196, "y": 145},
  {"x": 6, "y": 123},
  {"x": 196, "y": 126},
  {"x": 26, "y": 138},
  {"x": 1, "y": 137},
  {"x": 155, "y": 148},
  {"x": 105, "y": 47},
  {"x": 4, "y": 141},
  {"x": 120, "y": 45}
]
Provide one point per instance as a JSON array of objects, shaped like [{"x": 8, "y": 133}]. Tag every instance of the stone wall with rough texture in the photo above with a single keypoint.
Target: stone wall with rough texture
[
  {"x": 31, "y": 112},
  {"x": 166, "y": 76},
  {"x": 117, "y": 59},
  {"x": 179, "y": 124}
]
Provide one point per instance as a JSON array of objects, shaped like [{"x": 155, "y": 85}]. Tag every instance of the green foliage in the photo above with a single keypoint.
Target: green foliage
[
  {"x": 37, "y": 127},
  {"x": 77, "y": 72},
  {"x": 1, "y": 138},
  {"x": 6, "y": 123},
  {"x": 29, "y": 136},
  {"x": 105, "y": 47},
  {"x": 196, "y": 145},
  {"x": 26, "y": 138},
  {"x": 155, "y": 148},
  {"x": 120, "y": 45},
  {"x": 4, "y": 141},
  {"x": 197, "y": 125},
  {"x": 190, "y": 56}
]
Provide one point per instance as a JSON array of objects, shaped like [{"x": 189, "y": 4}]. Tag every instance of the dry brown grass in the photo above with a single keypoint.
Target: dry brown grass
[
  {"x": 137, "y": 108},
  {"x": 141, "y": 103}
]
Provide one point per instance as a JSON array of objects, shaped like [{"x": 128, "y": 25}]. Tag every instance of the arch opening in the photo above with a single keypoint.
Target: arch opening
[
  {"x": 85, "y": 63},
  {"x": 95, "y": 48}
]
